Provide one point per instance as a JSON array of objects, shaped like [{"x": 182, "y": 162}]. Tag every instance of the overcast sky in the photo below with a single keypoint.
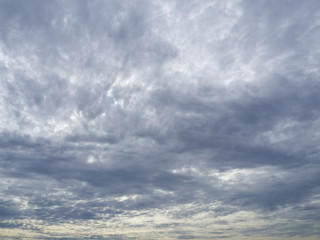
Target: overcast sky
[{"x": 160, "y": 119}]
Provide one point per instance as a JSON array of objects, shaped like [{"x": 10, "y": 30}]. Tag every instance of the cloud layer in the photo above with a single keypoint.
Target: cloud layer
[{"x": 159, "y": 119}]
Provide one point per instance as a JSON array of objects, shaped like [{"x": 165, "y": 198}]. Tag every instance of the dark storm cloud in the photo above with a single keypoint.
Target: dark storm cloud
[{"x": 114, "y": 107}]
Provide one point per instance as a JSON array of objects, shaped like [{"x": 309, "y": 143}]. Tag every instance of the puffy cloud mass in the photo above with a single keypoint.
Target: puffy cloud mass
[{"x": 159, "y": 119}]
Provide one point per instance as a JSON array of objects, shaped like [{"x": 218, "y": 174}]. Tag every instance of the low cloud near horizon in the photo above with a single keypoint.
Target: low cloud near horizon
[{"x": 159, "y": 119}]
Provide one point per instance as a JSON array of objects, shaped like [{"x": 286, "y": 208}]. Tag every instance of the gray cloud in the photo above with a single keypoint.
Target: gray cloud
[{"x": 159, "y": 117}]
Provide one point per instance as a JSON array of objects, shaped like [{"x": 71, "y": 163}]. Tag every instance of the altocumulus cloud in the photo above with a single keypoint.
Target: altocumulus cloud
[{"x": 159, "y": 119}]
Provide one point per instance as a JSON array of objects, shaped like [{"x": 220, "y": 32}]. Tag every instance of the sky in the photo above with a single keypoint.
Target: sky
[{"x": 139, "y": 119}]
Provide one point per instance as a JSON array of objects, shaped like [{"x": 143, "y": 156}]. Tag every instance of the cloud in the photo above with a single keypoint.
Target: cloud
[{"x": 159, "y": 119}]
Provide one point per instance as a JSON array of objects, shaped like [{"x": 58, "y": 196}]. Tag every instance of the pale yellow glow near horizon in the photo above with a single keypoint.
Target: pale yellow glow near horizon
[
  {"x": 171, "y": 223},
  {"x": 7, "y": 233}
]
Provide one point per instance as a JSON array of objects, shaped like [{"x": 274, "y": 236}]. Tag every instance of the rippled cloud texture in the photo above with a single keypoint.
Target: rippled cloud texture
[{"x": 159, "y": 119}]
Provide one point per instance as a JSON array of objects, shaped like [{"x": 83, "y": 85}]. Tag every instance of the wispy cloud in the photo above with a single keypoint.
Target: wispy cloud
[{"x": 159, "y": 119}]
